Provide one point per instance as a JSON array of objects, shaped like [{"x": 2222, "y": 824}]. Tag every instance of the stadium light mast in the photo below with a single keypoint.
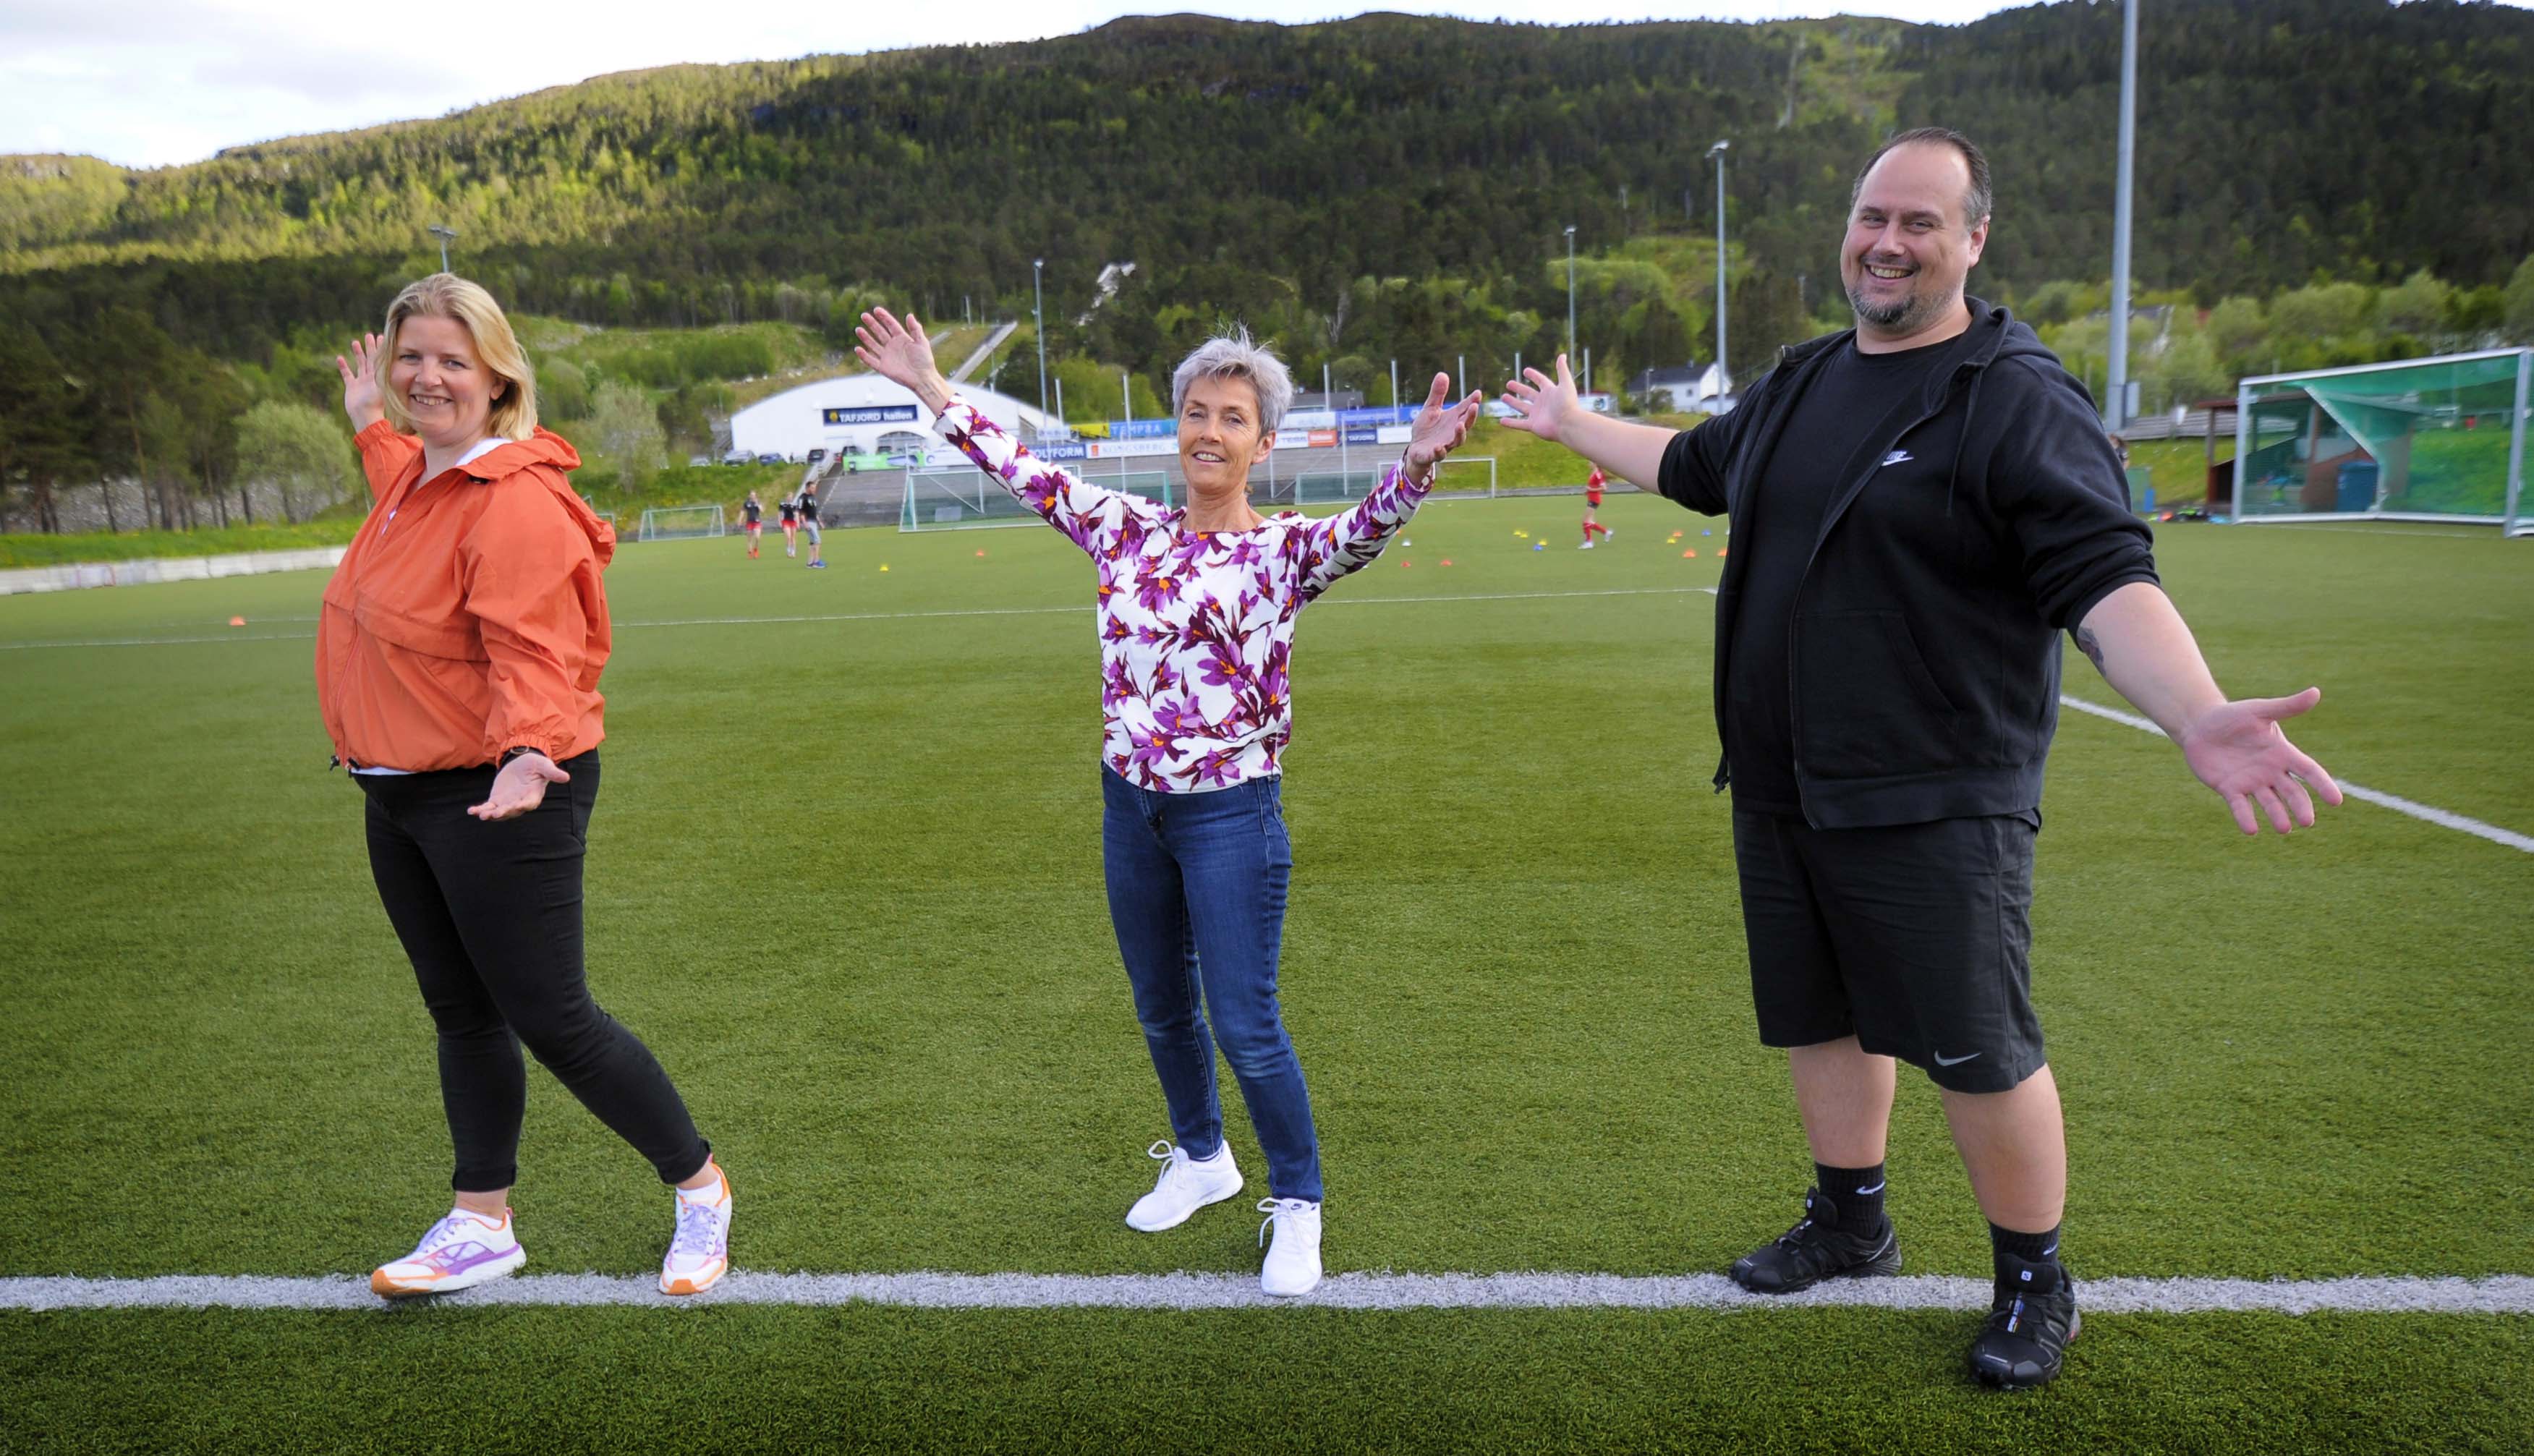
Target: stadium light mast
[
  {"x": 446, "y": 235},
  {"x": 1038, "y": 325},
  {"x": 2116, "y": 404},
  {"x": 1723, "y": 371},
  {"x": 1570, "y": 292}
]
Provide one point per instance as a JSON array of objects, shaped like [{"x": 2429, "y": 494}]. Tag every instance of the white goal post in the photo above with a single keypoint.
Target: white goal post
[{"x": 681, "y": 522}]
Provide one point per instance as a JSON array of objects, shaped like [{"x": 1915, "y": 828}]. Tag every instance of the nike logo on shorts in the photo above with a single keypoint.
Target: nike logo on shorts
[
  {"x": 1900, "y": 457},
  {"x": 1944, "y": 1061}
]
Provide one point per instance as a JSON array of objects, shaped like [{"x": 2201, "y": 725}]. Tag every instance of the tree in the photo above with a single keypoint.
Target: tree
[
  {"x": 2518, "y": 302},
  {"x": 624, "y": 428},
  {"x": 299, "y": 448},
  {"x": 2417, "y": 305},
  {"x": 40, "y": 444},
  {"x": 2236, "y": 327}
]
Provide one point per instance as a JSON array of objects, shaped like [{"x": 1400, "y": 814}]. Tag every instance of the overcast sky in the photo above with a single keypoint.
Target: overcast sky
[{"x": 152, "y": 83}]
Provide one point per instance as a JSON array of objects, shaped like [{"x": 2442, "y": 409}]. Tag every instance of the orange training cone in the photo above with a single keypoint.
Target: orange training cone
[{"x": 237, "y": 622}]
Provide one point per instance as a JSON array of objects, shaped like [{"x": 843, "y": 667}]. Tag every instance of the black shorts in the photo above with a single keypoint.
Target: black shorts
[{"x": 1916, "y": 939}]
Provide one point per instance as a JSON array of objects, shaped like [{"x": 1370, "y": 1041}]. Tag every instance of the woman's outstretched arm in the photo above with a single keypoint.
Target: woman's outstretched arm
[
  {"x": 899, "y": 350},
  {"x": 1350, "y": 540}
]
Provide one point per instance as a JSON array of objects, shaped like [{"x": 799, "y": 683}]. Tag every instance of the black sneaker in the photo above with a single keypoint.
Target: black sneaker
[
  {"x": 2029, "y": 1326},
  {"x": 1817, "y": 1248}
]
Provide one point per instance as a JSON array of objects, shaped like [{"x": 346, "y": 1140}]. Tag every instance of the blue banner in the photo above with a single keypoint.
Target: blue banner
[
  {"x": 869, "y": 414},
  {"x": 1062, "y": 450},
  {"x": 1142, "y": 429},
  {"x": 1363, "y": 435},
  {"x": 1387, "y": 414}
]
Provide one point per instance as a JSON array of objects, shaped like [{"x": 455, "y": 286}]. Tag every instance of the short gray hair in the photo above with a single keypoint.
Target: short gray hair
[{"x": 1232, "y": 356}]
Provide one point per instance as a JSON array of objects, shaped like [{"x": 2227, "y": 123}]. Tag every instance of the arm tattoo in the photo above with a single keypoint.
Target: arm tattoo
[{"x": 2091, "y": 646}]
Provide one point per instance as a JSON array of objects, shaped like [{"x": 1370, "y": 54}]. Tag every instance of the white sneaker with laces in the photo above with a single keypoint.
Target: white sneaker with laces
[
  {"x": 1184, "y": 1186},
  {"x": 1293, "y": 1260},
  {"x": 1586, "y": 546},
  {"x": 461, "y": 1251},
  {"x": 699, "y": 1253}
]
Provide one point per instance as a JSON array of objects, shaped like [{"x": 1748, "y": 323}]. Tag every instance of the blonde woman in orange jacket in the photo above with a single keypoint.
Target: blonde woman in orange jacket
[{"x": 457, "y": 663}]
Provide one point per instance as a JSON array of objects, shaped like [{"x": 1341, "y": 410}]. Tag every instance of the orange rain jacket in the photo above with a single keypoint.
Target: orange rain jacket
[{"x": 468, "y": 617}]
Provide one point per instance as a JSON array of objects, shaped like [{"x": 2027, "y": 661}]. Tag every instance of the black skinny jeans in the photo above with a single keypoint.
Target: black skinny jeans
[{"x": 490, "y": 914}]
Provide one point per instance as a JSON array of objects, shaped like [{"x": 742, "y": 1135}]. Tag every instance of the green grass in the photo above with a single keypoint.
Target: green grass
[
  {"x": 844, "y": 878},
  {"x": 33, "y": 549}
]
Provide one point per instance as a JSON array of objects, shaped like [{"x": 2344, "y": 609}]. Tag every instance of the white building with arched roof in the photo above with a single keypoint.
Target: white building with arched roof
[{"x": 864, "y": 413}]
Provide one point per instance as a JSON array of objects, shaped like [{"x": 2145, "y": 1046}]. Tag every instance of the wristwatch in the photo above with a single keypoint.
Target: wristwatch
[{"x": 515, "y": 752}]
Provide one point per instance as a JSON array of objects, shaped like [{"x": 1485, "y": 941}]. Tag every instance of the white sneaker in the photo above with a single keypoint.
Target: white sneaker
[
  {"x": 699, "y": 1255},
  {"x": 1293, "y": 1260},
  {"x": 462, "y": 1251},
  {"x": 1586, "y": 546},
  {"x": 1184, "y": 1186}
]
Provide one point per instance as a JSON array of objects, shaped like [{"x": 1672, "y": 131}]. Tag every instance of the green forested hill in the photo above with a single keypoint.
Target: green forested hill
[{"x": 1246, "y": 164}]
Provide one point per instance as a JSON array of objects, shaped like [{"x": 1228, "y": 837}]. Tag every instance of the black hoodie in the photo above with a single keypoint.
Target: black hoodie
[{"x": 1923, "y": 654}]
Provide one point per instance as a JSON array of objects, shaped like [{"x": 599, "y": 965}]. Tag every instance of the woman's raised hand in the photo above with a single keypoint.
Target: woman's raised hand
[
  {"x": 361, "y": 381},
  {"x": 901, "y": 353},
  {"x": 1541, "y": 405},
  {"x": 1438, "y": 430}
]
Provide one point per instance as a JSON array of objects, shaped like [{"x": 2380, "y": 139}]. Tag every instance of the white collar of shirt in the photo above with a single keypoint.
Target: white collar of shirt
[{"x": 483, "y": 448}]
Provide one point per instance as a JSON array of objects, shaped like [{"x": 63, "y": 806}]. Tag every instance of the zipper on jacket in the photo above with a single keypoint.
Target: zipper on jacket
[{"x": 1829, "y": 522}]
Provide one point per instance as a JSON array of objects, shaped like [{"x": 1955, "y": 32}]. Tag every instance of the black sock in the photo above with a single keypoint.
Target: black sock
[
  {"x": 1856, "y": 1192},
  {"x": 2032, "y": 1249}
]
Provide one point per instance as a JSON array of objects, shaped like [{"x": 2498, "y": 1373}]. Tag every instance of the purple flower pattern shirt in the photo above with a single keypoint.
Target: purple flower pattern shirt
[{"x": 1196, "y": 628}]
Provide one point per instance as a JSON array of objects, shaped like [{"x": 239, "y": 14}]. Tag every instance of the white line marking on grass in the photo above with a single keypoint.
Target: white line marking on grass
[
  {"x": 2504, "y": 1294},
  {"x": 1485, "y": 596},
  {"x": 2444, "y": 819}
]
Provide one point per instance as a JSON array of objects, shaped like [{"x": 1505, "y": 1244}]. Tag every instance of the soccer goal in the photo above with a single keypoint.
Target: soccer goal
[
  {"x": 2440, "y": 438},
  {"x": 966, "y": 500},
  {"x": 681, "y": 522}
]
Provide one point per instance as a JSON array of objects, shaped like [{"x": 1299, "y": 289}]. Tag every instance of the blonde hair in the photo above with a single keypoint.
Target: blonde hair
[{"x": 447, "y": 296}]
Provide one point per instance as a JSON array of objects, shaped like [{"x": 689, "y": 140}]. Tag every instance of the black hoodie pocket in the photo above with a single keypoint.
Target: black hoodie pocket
[{"x": 1866, "y": 704}]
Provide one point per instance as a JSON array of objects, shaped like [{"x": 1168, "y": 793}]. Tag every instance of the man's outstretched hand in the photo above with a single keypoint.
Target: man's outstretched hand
[{"x": 2238, "y": 750}]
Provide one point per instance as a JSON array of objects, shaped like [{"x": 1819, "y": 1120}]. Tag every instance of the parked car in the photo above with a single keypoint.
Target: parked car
[
  {"x": 817, "y": 455},
  {"x": 769, "y": 458},
  {"x": 737, "y": 458}
]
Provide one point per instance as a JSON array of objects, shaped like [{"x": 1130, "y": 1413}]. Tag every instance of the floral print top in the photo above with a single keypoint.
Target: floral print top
[{"x": 1196, "y": 628}]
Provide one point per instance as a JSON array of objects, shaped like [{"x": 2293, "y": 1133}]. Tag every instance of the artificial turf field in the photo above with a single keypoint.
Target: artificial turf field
[{"x": 844, "y": 878}]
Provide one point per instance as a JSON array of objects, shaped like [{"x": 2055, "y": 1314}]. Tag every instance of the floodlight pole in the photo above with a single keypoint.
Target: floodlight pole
[
  {"x": 2116, "y": 404},
  {"x": 1570, "y": 292},
  {"x": 1394, "y": 389},
  {"x": 1038, "y": 325},
  {"x": 1329, "y": 402},
  {"x": 1127, "y": 394},
  {"x": 1723, "y": 371},
  {"x": 446, "y": 235}
]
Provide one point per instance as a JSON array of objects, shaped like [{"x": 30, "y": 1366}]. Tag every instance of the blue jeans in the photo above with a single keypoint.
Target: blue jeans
[{"x": 1196, "y": 891}]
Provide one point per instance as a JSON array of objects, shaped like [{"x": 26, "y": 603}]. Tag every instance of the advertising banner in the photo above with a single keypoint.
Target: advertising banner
[
  {"x": 1392, "y": 435},
  {"x": 1062, "y": 450},
  {"x": 1309, "y": 419},
  {"x": 1143, "y": 429},
  {"x": 1321, "y": 439},
  {"x": 1115, "y": 449},
  {"x": 868, "y": 414},
  {"x": 1362, "y": 435}
]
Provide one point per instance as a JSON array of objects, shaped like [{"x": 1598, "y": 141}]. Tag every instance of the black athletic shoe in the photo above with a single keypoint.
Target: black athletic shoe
[
  {"x": 2028, "y": 1328},
  {"x": 1818, "y": 1248}
]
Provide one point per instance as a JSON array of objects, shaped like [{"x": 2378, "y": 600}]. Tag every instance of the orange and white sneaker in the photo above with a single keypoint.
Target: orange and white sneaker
[
  {"x": 699, "y": 1255},
  {"x": 462, "y": 1251}
]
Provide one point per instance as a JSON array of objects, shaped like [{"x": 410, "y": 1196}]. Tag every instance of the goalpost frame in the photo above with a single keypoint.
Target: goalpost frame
[{"x": 2514, "y": 517}]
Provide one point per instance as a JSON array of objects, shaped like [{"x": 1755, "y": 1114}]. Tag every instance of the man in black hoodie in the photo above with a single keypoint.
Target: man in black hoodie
[{"x": 1920, "y": 506}]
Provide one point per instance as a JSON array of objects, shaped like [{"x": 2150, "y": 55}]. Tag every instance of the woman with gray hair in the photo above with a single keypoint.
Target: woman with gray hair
[{"x": 1196, "y": 612}]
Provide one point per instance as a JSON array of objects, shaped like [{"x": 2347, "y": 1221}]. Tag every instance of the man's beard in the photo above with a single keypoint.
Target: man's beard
[{"x": 1904, "y": 315}]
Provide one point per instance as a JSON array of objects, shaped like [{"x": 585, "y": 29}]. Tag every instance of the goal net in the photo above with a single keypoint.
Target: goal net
[
  {"x": 2440, "y": 438},
  {"x": 965, "y": 500},
  {"x": 680, "y": 523}
]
